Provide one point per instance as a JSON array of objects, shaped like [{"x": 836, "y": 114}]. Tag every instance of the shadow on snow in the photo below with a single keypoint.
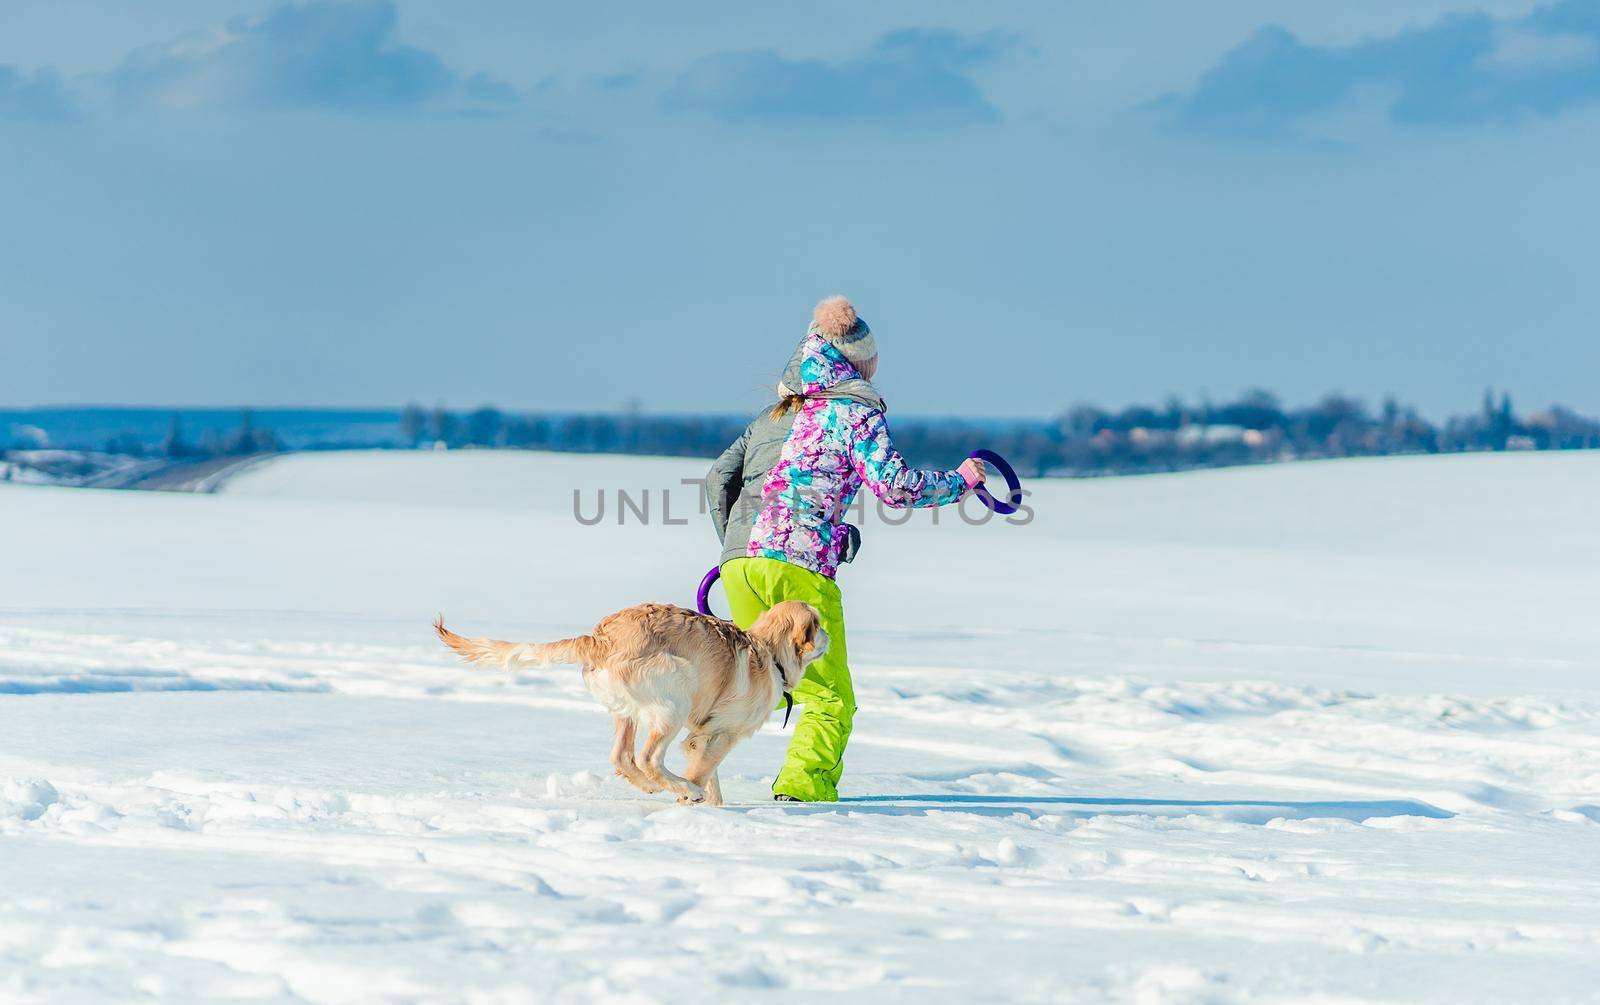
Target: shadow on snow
[{"x": 1238, "y": 810}]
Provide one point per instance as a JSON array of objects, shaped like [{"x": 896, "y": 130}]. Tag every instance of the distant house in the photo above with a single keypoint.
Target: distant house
[{"x": 1196, "y": 434}]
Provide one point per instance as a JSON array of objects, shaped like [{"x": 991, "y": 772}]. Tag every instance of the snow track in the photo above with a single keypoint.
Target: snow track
[{"x": 234, "y": 765}]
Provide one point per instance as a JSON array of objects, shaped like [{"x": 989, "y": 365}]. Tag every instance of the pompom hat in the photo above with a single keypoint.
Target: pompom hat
[{"x": 835, "y": 320}]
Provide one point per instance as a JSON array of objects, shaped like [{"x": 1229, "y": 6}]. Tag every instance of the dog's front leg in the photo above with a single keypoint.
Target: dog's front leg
[{"x": 706, "y": 751}]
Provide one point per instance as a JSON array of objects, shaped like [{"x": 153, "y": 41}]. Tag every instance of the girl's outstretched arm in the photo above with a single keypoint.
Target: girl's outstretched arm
[{"x": 885, "y": 472}]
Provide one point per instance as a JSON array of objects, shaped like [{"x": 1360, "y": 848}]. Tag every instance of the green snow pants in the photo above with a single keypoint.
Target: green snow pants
[{"x": 816, "y": 753}]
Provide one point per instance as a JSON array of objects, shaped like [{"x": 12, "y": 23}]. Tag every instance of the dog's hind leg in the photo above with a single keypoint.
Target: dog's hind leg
[
  {"x": 622, "y": 756},
  {"x": 706, "y": 751},
  {"x": 651, "y": 758}
]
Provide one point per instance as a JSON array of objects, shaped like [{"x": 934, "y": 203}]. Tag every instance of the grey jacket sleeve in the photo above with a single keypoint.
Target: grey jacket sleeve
[{"x": 723, "y": 483}]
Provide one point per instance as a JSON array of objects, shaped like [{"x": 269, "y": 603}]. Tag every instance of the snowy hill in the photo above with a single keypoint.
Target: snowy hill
[{"x": 1319, "y": 731}]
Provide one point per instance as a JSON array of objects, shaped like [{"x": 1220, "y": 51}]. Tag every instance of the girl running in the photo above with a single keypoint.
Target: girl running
[{"x": 778, "y": 498}]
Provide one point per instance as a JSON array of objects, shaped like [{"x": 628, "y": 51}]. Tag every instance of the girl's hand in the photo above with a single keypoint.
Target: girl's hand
[{"x": 973, "y": 471}]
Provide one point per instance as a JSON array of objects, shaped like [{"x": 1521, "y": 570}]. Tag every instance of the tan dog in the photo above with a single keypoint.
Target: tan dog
[{"x": 658, "y": 668}]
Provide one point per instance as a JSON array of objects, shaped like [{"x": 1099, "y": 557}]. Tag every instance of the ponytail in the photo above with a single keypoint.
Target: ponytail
[{"x": 786, "y": 404}]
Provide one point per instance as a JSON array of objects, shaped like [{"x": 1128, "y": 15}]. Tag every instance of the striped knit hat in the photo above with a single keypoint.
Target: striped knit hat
[{"x": 835, "y": 320}]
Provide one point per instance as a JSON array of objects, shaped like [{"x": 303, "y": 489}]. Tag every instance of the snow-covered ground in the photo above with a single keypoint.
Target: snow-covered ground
[
  {"x": 73, "y": 467},
  {"x": 1319, "y": 732}
]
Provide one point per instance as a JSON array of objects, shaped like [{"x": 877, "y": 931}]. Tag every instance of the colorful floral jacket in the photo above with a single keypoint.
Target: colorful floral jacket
[{"x": 783, "y": 488}]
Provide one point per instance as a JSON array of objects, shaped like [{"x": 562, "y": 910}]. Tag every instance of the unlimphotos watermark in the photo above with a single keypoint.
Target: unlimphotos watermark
[{"x": 666, "y": 506}]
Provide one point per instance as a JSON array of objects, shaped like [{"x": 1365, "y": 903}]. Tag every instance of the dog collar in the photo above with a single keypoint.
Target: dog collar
[{"x": 788, "y": 696}]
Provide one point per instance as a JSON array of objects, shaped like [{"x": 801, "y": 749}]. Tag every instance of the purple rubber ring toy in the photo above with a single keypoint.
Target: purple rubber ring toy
[
  {"x": 1013, "y": 484},
  {"x": 702, "y": 599}
]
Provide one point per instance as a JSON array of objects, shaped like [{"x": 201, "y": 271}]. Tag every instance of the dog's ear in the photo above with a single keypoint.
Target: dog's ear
[{"x": 803, "y": 631}]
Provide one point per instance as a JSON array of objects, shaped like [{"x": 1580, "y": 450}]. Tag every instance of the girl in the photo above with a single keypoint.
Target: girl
[{"x": 778, "y": 499}]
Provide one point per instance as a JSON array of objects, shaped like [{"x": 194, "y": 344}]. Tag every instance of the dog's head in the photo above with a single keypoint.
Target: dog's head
[{"x": 794, "y": 629}]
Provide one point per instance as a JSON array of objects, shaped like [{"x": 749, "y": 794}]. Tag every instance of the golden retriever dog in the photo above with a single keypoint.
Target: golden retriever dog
[{"x": 659, "y": 668}]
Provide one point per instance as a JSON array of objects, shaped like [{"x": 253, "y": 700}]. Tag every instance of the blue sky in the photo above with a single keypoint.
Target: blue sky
[{"x": 578, "y": 205}]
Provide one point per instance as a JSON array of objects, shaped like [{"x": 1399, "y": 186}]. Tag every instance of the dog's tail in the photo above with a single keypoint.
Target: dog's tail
[{"x": 509, "y": 654}]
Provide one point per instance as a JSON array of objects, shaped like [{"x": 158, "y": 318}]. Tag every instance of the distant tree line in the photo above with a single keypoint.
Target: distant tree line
[
  {"x": 604, "y": 433},
  {"x": 245, "y": 439},
  {"x": 1086, "y": 440},
  {"x": 1254, "y": 429}
]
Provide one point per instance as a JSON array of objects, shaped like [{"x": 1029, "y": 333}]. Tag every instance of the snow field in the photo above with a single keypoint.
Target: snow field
[{"x": 1319, "y": 732}]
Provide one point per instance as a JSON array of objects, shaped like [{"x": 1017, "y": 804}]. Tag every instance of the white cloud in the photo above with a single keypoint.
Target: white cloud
[
  {"x": 1520, "y": 51},
  {"x": 329, "y": 55}
]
